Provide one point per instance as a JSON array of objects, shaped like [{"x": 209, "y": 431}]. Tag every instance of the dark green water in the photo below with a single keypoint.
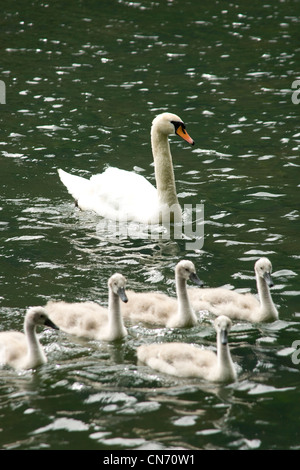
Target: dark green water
[{"x": 83, "y": 83}]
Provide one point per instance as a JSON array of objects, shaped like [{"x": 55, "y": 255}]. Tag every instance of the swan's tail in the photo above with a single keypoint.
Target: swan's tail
[{"x": 76, "y": 185}]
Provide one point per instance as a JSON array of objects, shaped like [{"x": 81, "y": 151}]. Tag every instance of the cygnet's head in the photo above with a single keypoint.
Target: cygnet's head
[
  {"x": 116, "y": 284},
  {"x": 38, "y": 316},
  {"x": 263, "y": 268},
  {"x": 185, "y": 269},
  {"x": 222, "y": 326},
  {"x": 169, "y": 123}
]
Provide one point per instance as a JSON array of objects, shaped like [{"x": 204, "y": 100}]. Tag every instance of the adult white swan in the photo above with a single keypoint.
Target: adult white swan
[
  {"x": 23, "y": 350},
  {"x": 127, "y": 196},
  {"x": 159, "y": 309},
  {"x": 238, "y": 306},
  {"x": 89, "y": 319},
  {"x": 187, "y": 360}
]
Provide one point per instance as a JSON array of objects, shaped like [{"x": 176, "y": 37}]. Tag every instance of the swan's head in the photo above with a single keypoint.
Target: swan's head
[
  {"x": 168, "y": 123},
  {"x": 263, "y": 269},
  {"x": 222, "y": 326},
  {"x": 38, "y": 316},
  {"x": 185, "y": 269},
  {"x": 116, "y": 284}
]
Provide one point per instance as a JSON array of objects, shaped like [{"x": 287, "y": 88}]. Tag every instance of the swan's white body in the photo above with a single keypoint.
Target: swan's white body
[
  {"x": 89, "y": 319},
  {"x": 221, "y": 301},
  {"x": 160, "y": 309},
  {"x": 186, "y": 360},
  {"x": 126, "y": 196},
  {"x": 23, "y": 350}
]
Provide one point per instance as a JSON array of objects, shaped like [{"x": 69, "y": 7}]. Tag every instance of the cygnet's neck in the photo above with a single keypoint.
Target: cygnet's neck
[
  {"x": 35, "y": 354},
  {"x": 225, "y": 366},
  {"x": 268, "y": 311},
  {"x": 186, "y": 315},
  {"x": 164, "y": 173},
  {"x": 116, "y": 327}
]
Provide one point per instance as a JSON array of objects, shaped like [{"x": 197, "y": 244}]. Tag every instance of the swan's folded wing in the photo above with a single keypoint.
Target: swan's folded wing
[
  {"x": 12, "y": 346},
  {"x": 76, "y": 185},
  {"x": 149, "y": 308},
  {"x": 123, "y": 194},
  {"x": 114, "y": 194},
  {"x": 179, "y": 359},
  {"x": 69, "y": 315}
]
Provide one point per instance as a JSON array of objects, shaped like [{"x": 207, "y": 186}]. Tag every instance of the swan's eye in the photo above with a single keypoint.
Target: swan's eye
[{"x": 178, "y": 124}]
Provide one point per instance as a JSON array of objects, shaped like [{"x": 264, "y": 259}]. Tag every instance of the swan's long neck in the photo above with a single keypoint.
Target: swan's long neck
[
  {"x": 186, "y": 315},
  {"x": 267, "y": 307},
  {"x": 116, "y": 327},
  {"x": 225, "y": 366},
  {"x": 35, "y": 353},
  {"x": 164, "y": 173}
]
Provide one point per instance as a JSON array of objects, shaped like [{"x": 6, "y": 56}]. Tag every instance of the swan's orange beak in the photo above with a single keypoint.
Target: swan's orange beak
[{"x": 184, "y": 135}]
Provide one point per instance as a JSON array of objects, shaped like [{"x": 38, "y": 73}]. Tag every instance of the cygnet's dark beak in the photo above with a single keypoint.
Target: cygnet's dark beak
[
  {"x": 268, "y": 279},
  {"x": 195, "y": 279},
  {"x": 122, "y": 294},
  {"x": 50, "y": 323},
  {"x": 224, "y": 337}
]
